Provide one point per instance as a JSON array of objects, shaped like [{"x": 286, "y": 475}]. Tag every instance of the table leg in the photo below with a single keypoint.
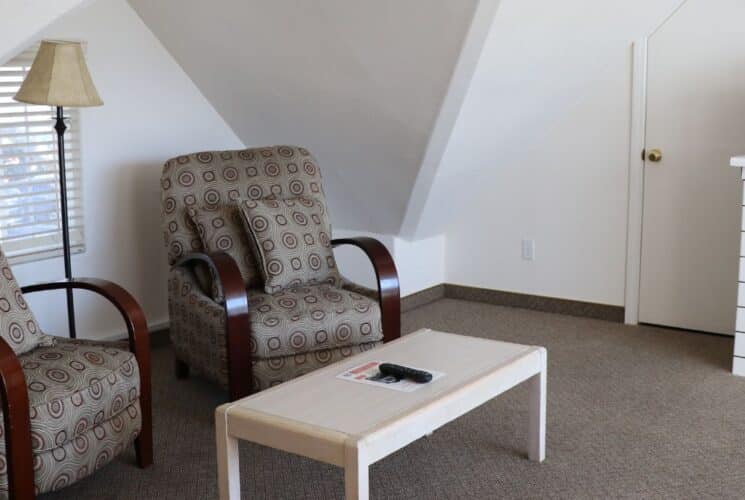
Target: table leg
[
  {"x": 356, "y": 474},
  {"x": 228, "y": 475},
  {"x": 537, "y": 422}
]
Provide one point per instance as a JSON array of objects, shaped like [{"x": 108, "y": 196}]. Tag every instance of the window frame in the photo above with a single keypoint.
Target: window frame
[{"x": 46, "y": 244}]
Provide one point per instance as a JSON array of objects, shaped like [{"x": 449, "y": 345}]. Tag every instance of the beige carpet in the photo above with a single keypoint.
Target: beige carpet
[{"x": 633, "y": 412}]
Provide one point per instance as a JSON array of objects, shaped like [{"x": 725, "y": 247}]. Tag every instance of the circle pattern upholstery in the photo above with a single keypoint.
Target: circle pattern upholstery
[
  {"x": 224, "y": 177},
  {"x": 291, "y": 241},
  {"x": 18, "y": 326},
  {"x": 84, "y": 410}
]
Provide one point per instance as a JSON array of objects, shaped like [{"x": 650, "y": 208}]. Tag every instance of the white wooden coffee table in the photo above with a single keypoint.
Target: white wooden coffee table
[{"x": 353, "y": 425}]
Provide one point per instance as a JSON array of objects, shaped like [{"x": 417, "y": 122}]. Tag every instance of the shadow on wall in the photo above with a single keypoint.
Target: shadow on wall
[{"x": 139, "y": 193}]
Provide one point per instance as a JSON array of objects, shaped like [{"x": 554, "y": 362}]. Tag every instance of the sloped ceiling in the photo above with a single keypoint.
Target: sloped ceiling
[
  {"x": 358, "y": 82},
  {"x": 22, "y": 19}
]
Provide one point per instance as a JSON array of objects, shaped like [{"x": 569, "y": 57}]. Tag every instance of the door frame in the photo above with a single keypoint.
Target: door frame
[{"x": 638, "y": 133}]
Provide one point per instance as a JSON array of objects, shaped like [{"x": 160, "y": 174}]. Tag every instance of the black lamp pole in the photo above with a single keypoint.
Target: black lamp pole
[
  {"x": 60, "y": 127},
  {"x": 71, "y": 85}
]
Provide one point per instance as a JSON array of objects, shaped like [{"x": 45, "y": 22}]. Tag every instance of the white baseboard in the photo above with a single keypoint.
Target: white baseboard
[{"x": 738, "y": 366}]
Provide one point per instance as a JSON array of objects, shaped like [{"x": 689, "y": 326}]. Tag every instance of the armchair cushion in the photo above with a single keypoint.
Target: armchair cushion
[
  {"x": 18, "y": 326},
  {"x": 311, "y": 318},
  {"x": 74, "y": 386},
  {"x": 292, "y": 242},
  {"x": 75, "y": 459},
  {"x": 350, "y": 285},
  {"x": 221, "y": 230}
]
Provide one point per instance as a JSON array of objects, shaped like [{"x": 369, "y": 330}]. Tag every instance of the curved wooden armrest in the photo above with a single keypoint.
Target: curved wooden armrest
[
  {"x": 139, "y": 342},
  {"x": 238, "y": 327},
  {"x": 389, "y": 292},
  {"x": 16, "y": 418},
  {"x": 131, "y": 312}
]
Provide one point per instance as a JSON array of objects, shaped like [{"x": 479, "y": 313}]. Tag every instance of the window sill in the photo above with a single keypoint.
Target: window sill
[{"x": 42, "y": 255}]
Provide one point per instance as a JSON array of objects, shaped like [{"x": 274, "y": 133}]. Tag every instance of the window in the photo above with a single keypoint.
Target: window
[{"x": 30, "y": 223}]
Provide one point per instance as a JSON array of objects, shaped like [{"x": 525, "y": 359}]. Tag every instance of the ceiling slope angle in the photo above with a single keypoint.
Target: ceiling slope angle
[
  {"x": 359, "y": 83},
  {"x": 21, "y": 21}
]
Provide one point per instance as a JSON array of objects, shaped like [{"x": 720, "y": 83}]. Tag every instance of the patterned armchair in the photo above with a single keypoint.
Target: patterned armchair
[
  {"x": 69, "y": 406},
  {"x": 224, "y": 324}
]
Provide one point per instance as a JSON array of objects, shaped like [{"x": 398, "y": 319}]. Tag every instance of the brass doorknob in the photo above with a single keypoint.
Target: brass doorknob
[{"x": 654, "y": 155}]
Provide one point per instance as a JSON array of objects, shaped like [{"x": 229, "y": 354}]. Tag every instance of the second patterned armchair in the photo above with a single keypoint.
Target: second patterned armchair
[
  {"x": 254, "y": 294},
  {"x": 68, "y": 406}
]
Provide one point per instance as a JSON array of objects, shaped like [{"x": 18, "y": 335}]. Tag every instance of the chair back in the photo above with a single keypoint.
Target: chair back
[
  {"x": 18, "y": 326},
  {"x": 214, "y": 179}
]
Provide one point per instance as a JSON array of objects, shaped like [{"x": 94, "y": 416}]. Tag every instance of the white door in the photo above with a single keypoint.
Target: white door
[{"x": 692, "y": 198}]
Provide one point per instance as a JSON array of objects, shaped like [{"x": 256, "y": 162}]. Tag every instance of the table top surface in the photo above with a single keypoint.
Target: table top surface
[{"x": 320, "y": 399}]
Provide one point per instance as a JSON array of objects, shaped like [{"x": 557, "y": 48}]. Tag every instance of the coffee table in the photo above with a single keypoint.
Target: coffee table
[{"x": 353, "y": 425}]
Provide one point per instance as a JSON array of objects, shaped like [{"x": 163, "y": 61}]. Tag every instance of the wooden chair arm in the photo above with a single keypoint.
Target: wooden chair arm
[
  {"x": 18, "y": 454},
  {"x": 237, "y": 324},
  {"x": 137, "y": 333},
  {"x": 132, "y": 313},
  {"x": 389, "y": 293}
]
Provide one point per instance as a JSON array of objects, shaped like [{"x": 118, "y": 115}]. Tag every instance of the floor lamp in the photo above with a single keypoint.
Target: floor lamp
[{"x": 59, "y": 77}]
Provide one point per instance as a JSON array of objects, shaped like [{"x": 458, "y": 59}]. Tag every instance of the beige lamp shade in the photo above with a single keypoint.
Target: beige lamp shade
[{"x": 59, "y": 77}]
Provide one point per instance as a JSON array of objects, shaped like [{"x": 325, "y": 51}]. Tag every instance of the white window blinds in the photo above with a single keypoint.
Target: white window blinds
[{"x": 30, "y": 223}]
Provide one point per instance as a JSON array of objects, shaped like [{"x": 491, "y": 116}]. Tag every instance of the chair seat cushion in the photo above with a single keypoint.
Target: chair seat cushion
[
  {"x": 75, "y": 385},
  {"x": 72, "y": 461},
  {"x": 273, "y": 371},
  {"x": 311, "y": 318}
]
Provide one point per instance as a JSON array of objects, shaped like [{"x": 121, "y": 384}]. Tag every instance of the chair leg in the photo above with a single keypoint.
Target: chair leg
[
  {"x": 182, "y": 369},
  {"x": 144, "y": 448}
]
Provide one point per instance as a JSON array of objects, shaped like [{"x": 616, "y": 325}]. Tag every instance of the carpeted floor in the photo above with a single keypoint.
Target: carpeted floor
[{"x": 633, "y": 412}]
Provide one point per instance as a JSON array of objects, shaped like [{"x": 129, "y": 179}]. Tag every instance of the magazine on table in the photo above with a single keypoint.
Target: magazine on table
[{"x": 368, "y": 373}]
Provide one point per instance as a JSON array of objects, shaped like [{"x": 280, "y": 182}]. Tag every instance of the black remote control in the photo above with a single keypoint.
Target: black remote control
[{"x": 399, "y": 371}]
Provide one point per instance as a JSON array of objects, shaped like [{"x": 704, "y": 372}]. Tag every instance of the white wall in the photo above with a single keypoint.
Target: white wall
[
  {"x": 359, "y": 83},
  {"x": 420, "y": 264},
  {"x": 152, "y": 112},
  {"x": 21, "y": 19},
  {"x": 460, "y": 82},
  {"x": 540, "y": 151}
]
